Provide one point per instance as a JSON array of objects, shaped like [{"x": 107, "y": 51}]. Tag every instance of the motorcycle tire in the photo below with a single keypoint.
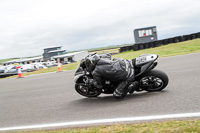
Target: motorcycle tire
[
  {"x": 85, "y": 91},
  {"x": 154, "y": 80}
]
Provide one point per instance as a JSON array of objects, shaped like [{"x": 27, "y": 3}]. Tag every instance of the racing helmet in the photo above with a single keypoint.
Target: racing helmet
[
  {"x": 91, "y": 61},
  {"x": 105, "y": 56}
]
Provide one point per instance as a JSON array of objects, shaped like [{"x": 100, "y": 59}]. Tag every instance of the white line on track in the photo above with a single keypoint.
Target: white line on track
[{"x": 103, "y": 121}]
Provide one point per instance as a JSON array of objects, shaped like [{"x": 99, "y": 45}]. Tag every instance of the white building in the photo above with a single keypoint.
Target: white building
[
  {"x": 71, "y": 57},
  {"x": 65, "y": 58},
  {"x": 24, "y": 61}
]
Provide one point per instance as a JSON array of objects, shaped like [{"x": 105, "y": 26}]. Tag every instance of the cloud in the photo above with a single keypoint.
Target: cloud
[{"x": 26, "y": 27}]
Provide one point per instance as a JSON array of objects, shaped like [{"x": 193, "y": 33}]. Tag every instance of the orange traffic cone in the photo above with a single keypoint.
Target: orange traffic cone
[
  {"x": 19, "y": 71},
  {"x": 59, "y": 66}
]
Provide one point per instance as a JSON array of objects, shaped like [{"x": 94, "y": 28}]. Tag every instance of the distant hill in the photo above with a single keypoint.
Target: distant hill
[{"x": 108, "y": 47}]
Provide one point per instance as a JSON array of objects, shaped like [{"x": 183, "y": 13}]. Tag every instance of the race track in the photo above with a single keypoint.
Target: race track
[{"x": 51, "y": 98}]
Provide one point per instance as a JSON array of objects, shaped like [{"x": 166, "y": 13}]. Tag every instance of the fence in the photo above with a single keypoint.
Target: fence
[{"x": 157, "y": 43}]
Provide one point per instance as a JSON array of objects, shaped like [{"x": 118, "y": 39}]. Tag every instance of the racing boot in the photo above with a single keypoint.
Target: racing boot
[
  {"x": 134, "y": 86},
  {"x": 121, "y": 90}
]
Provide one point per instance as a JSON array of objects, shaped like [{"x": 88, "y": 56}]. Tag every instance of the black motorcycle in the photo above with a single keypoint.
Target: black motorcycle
[{"x": 146, "y": 76}]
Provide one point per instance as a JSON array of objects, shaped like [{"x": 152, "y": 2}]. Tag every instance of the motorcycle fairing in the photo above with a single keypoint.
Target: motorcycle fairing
[
  {"x": 147, "y": 67},
  {"x": 77, "y": 77},
  {"x": 144, "y": 59}
]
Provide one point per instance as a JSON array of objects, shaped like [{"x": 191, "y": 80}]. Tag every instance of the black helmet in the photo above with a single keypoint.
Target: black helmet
[
  {"x": 105, "y": 56},
  {"x": 91, "y": 61}
]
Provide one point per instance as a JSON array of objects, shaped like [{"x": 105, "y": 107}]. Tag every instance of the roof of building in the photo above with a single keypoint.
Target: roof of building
[
  {"x": 146, "y": 28},
  {"x": 68, "y": 55},
  {"x": 53, "y": 47},
  {"x": 53, "y": 51},
  {"x": 23, "y": 59}
]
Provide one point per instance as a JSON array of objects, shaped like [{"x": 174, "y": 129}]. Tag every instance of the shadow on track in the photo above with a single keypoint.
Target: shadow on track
[{"x": 109, "y": 99}]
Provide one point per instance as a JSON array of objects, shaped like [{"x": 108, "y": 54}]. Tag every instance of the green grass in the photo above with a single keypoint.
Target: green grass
[
  {"x": 107, "y": 48},
  {"x": 174, "y": 49},
  {"x": 181, "y": 48},
  {"x": 186, "y": 126},
  {"x": 115, "y": 50}
]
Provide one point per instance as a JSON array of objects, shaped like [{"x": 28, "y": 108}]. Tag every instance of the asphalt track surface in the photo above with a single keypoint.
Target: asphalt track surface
[{"x": 51, "y": 98}]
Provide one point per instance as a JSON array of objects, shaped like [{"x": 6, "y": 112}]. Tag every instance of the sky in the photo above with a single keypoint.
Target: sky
[{"x": 29, "y": 26}]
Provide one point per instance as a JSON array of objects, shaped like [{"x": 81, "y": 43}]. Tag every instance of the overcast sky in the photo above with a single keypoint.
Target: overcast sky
[{"x": 29, "y": 26}]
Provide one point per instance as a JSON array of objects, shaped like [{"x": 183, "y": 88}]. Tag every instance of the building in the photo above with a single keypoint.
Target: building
[
  {"x": 143, "y": 35},
  {"x": 71, "y": 57},
  {"x": 24, "y": 61},
  {"x": 51, "y": 54},
  {"x": 52, "y": 51}
]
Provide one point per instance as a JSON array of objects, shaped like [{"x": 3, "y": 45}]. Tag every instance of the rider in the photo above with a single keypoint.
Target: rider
[{"x": 117, "y": 70}]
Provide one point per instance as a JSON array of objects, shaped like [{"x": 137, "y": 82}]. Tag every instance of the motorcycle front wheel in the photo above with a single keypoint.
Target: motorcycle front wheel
[
  {"x": 86, "y": 91},
  {"x": 154, "y": 80}
]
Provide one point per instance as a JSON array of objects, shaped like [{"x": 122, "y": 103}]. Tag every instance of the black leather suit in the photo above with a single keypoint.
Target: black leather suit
[{"x": 116, "y": 70}]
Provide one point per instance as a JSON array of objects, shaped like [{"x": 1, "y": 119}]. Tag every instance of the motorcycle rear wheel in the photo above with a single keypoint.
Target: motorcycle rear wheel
[
  {"x": 154, "y": 80},
  {"x": 86, "y": 91}
]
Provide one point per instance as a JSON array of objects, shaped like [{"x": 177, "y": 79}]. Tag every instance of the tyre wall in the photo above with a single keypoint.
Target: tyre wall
[{"x": 158, "y": 43}]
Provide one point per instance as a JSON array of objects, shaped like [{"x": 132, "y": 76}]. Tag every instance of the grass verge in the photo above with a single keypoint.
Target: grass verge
[
  {"x": 173, "y": 49},
  {"x": 187, "y": 47},
  {"x": 181, "y": 126}
]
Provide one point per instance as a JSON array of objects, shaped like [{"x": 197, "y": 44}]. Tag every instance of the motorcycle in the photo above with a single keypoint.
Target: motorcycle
[{"x": 148, "y": 78}]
